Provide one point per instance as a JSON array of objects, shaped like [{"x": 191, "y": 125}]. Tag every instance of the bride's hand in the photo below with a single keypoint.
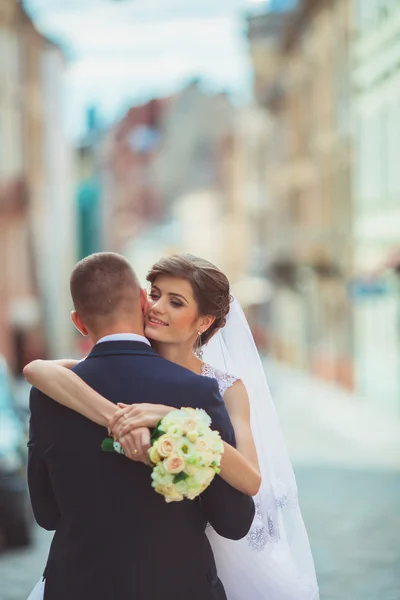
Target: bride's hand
[{"x": 130, "y": 417}]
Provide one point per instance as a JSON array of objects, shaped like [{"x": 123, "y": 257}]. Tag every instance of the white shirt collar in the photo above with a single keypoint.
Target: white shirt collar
[{"x": 124, "y": 337}]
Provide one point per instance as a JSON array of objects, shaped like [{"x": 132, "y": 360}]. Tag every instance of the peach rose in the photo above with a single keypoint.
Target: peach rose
[
  {"x": 201, "y": 445},
  {"x": 165, "y": 446},
  {"x": 189, "y": 425},
  {"x": 174, "y": 464}
]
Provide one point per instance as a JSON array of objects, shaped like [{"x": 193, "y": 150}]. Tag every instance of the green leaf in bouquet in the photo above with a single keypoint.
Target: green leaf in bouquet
[
  {"x": 107, "y": 445},
  {"x": 157, "y": 432},
  {"x": 180, "y": 477}
]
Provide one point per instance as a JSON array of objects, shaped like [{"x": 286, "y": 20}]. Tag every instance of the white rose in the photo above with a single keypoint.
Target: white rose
[
  {"x": 192, "y": 435},
  {"x": 173, "y": 495},
  {"x": 173, "y": 419},
  {"x": 160, "y": 476},
  {"x": 154, "y": 455},
  {"x": 186, "y": 449},
  {"x": 182, "y": 487},
  {"x": 204, "y": 477}
]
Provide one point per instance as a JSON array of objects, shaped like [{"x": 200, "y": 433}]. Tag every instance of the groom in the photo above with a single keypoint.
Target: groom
[{"x": 115, "y": 538}]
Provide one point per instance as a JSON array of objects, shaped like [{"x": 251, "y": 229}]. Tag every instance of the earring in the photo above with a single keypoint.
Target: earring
[{"x": 198, "y": 351}]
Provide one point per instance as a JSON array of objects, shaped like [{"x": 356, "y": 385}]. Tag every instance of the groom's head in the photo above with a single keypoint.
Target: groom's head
[{"x": 107, "y": 296}]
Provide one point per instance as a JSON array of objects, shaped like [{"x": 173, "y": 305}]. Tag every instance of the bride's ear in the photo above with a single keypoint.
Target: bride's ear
[
  {"x": 79, "y": 324},
  {"x": 206, "y": 322}
]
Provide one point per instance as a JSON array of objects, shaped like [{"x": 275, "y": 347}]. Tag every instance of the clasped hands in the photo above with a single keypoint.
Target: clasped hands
[{"x": 131, "y": 425}]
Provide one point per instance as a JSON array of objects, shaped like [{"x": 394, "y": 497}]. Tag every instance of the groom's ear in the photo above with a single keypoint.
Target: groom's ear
[
  {"x": 144, "y": 302},
  {"x": 79, "y": 324}
]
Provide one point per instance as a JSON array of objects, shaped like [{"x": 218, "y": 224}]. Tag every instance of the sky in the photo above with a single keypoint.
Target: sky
[{"x": 121, "y": 52}]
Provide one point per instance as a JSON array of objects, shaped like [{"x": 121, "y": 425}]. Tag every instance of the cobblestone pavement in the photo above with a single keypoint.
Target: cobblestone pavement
[
  {"x": 20, "y": 570},
  {"x": 346, "y": 458},
  {"x": 349, "y": 491},
  {"x": 353, "y": 522}
]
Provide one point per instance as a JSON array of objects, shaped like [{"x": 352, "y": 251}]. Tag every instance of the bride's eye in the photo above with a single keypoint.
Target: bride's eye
[
  {"x": 176, "y": 304},
  {"x": 154, "y": 296}
]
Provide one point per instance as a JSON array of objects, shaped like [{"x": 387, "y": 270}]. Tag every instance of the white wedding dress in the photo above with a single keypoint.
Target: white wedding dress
[
  {"x": 261, "y": 566},
  {"x": 274, "y": 561}
]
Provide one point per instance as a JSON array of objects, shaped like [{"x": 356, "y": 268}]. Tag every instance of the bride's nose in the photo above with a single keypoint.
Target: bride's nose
[{"x": 158, "y": 307}]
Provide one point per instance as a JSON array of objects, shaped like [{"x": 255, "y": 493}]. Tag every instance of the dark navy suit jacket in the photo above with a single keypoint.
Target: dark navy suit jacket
[{"x": 115, "y": 538}]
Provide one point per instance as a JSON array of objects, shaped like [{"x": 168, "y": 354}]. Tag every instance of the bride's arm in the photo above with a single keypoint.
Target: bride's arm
[
  {"x": 239, "y": 467},
  {"x": 54, "y": 378}
]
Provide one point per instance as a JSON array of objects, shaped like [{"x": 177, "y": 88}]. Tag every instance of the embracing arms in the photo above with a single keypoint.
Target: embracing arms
[
  {"x": 131, "y": 424},
  {"x": 54, "y": 378}
]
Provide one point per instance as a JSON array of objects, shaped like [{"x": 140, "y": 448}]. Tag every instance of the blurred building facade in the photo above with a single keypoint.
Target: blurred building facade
[
  {"x": 56, "y": 236},
  {"x": 193, "y": 163},
  {"x": 302, "y": 81},
  {"x": 36, "y": 217},
  {"x": 131, "y": 199},
  {"x": 17, "y": 286},
  {"x": 202, "y": 170},
  {"x": 376, "y": 192},
  {"x": 194, "y": 127},
  {"x": 189, "y": 168},
  {"x": 243, "y": 226}
]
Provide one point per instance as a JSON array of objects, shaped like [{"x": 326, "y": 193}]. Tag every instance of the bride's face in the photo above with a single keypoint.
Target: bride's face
[{"x": 173, "y": 312}]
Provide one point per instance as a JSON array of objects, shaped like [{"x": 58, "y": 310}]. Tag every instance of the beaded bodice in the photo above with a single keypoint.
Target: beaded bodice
[{"x": 224, "y": 380}]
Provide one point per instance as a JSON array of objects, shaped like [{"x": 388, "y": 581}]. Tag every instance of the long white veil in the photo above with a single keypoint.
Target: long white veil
[{"x": 274, "y": 562}]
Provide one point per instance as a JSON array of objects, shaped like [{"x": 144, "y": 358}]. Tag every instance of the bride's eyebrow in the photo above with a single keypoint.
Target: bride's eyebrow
[
  {"x": 154, "y": 287},
  {"x": 178, "y": 295}
]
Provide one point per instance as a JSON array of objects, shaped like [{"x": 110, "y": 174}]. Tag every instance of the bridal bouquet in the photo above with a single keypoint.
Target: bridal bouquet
[{"x": 185, "y": 454}]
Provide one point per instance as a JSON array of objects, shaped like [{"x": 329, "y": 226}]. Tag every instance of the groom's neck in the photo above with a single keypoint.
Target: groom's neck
[{"x": 115, "y": 329}]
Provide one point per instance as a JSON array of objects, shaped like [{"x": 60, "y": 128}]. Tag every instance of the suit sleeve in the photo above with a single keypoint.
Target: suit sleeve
[
  {"x": 43, "y": 500},
  {"x": 228, "y": 511}
]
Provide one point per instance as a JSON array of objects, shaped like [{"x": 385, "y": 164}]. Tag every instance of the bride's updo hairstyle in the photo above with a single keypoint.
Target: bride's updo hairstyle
[{"x": 210, "y": 286}]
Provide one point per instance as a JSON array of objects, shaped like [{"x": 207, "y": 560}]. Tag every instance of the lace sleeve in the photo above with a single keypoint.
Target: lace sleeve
[{"x": 224, "y": 380}]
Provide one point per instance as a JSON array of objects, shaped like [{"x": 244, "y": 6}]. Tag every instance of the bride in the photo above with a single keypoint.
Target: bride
[{"x": 193, "y": 321}]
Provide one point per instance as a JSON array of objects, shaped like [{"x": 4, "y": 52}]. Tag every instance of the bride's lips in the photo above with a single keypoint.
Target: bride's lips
[{"x": 156, "y": 322}]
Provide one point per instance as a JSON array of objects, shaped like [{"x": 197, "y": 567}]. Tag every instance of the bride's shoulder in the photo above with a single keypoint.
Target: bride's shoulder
[{"x": 225, "y": 380}]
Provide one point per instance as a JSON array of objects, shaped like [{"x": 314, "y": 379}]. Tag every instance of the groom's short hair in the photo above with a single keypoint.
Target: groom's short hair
[{"x": 103, "y": 285}]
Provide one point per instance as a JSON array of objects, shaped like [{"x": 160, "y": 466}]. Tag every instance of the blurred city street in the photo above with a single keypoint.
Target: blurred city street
[
  {"x": 20, "y": 570},
  {"x": 347, "y": 462},
  {"x": 345, "y": 458},
  {"x": 268, "y": 147}
]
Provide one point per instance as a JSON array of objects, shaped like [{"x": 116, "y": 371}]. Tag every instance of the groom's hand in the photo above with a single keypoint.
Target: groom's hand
[{"x": 136, "y": 444}]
